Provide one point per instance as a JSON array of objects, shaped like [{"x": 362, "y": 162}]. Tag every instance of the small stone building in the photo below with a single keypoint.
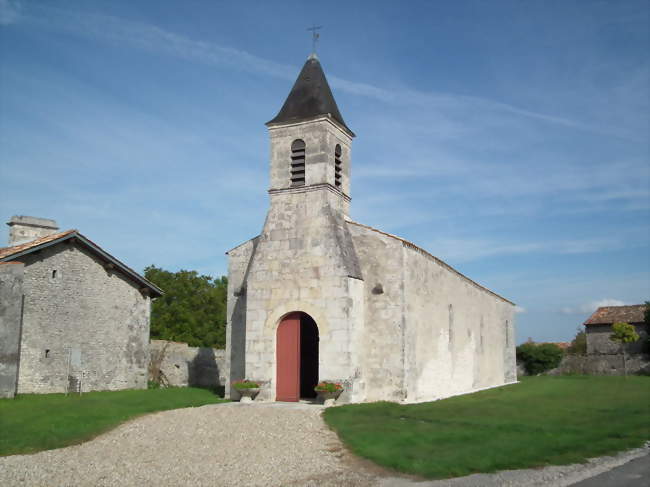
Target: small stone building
[
  {"x": 598, "y": 328},
  {"x": 72, "y": 316},
  {"x": 317, "y": 296}
]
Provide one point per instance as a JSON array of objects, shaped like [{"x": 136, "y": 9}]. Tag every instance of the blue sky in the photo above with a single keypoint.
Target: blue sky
[{"x": 508, "y": 138}]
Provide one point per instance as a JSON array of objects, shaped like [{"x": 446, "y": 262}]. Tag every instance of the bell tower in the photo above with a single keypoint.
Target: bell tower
[
  {"x": 310, "y": 142},
  {"x": 304, "y": 262}
]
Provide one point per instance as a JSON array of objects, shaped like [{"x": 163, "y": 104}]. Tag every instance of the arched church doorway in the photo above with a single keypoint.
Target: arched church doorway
[{"x": 297, "y": 357}]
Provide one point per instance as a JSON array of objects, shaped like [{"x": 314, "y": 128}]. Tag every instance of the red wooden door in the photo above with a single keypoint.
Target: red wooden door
[{"x": 288, "y": 359}]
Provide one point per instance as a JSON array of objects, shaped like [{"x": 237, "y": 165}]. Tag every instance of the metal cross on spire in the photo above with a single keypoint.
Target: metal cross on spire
[{"x": 314, "y": 36}]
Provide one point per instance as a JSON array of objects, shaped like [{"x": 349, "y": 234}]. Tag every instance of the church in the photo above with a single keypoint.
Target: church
[{"x": 319, "y": 297}]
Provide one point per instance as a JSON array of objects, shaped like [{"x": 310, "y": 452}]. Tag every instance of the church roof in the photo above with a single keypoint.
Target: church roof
[
  {"x": 442, "y": 263},
  {"x": 310, "y": 97},
  {"x": 607, "y": 315},
  {"x": 12, "y": 253}
]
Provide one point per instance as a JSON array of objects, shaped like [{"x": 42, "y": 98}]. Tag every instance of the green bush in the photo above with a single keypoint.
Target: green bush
[
  {"x": 245, "y": 384},
  {"x": 579, "y": 343},
  {"x": 538, "y": 358}
]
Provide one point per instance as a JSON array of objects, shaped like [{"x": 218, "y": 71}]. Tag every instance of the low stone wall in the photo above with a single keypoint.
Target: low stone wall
[
  {"x": 602, "y": 364},
  {"x": 182, "y": 365}
]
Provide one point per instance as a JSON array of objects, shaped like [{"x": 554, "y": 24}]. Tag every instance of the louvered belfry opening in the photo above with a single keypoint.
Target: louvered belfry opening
[
  {"x": 298, "y": 163},
  {"x": 338, "y": 166}
]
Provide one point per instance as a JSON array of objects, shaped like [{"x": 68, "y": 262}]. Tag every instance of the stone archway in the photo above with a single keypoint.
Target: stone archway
[{"x": 297, "y": 348}]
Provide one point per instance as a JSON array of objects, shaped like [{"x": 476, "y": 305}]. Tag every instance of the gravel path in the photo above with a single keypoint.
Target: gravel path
[
  {"x": 267, "y": 444},
  {"x": 226, "y": 444}
]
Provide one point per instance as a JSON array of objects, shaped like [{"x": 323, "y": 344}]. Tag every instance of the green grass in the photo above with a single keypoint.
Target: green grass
[
  {"x": 541, "y": 421},
  {"x": 34, "y": 422}
]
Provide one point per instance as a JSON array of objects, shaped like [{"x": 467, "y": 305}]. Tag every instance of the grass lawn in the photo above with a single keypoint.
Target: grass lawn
[
  {"x": 34, "y": 422},
  {"x": 541, "y": 421}
]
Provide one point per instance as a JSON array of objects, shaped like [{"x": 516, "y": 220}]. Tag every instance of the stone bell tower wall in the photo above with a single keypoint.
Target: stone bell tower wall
[
  {"x": 305, "y": 261},
  {"x": 320, "y": 135}
]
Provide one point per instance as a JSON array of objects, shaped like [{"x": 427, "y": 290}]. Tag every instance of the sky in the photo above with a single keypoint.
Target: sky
[{"x": 508, "y": 138}]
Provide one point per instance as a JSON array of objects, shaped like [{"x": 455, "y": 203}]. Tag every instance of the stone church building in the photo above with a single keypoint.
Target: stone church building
[
  {"x": 72, "y": 316},
  {"x": 317, "y": 296}
]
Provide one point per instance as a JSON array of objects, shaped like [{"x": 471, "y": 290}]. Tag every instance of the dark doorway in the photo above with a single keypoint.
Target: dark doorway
[{"x": 308, "y": 356}]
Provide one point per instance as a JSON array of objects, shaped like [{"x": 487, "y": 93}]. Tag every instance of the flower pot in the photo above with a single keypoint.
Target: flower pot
[
  {"x": 247, "y": 395},
  {"x": 329, "y": 397}
]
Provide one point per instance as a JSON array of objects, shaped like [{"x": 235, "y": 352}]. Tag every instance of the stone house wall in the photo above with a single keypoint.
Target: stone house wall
[
  {"x": 11, "y": 307},
  {"x": 184, "y": 366},
  {"x": 81, "y": 323},
  {"x": 598, "y": 341}
]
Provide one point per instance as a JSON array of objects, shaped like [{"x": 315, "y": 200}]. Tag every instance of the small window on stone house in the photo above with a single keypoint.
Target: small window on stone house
[
  {"x": 298, "y": 163},
  {"x": 47, "y": 353},
  {"x": 338, "y": 166},
  {"x": 54, "y": 274}
]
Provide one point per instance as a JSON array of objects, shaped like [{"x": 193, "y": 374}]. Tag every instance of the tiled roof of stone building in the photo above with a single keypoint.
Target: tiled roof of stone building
[
  {"x": 420, "y": 250},
  {"x": 15, "y": 252},
  {"x": 608, "y": 315},
  {"x": 310, "y": 97}
]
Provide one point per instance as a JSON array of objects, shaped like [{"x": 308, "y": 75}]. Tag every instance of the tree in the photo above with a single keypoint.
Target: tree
[
  {"x": 192, "y": 310},
  {"x": 538, "y": 358},
  {"x": 579, "y": 343},
  {"x": 624, "y": 333}
]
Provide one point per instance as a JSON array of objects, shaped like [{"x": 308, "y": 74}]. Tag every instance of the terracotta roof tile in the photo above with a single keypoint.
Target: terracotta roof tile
[
  {"x": 33, "y": 245},
  {"x": 9, "y": 251},
  {"x": 607, "y": 315}
]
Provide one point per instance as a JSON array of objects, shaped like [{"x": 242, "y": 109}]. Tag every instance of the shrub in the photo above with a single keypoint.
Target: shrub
[
  {"x": 327, "y": 386},
  {"x": 245, "y": 384},
  {"x": 579, "y": 343},
  {"x": 538, "y": 358}
]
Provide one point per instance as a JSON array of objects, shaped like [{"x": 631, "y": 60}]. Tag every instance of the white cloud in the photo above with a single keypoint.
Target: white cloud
[
  {"x": 9, "y": 11},
  {"x": 520, "y": 310},
  {"x": 591, "y": 306},
  {"x": 152, "y": 38}
]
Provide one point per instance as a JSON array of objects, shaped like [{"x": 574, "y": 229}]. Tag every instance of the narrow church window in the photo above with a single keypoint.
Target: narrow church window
[
  {"x": 298, "y": 163},
  {"x": 451, "y": 326},
  {"x": 47, "y": 353},
  {"x": 338, "y": 166},
  {"x": 507, "y": 335},
  {"x": 54, "y": 274}
]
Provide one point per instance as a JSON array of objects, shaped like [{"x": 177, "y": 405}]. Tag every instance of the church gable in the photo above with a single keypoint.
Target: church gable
[{"x": 319, "y": 297}]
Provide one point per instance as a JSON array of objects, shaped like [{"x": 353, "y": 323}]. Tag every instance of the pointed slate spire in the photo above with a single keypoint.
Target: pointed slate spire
[{"x": 310, "y": 97}]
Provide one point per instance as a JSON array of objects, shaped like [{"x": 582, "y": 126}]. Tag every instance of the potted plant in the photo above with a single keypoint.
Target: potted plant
[
  {"x": 247, "y": 389},
  {"x": 328, "y": 392}
]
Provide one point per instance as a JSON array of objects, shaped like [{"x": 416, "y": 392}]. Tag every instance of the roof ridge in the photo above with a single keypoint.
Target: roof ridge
[
  {"x": 17, "y": 251},
  {"x": 433, "y": 257}
]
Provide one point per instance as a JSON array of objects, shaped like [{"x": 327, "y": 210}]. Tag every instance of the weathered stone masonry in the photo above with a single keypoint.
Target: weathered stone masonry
[
  {"x": 80, "y": 317},
  {"x": 394, "y": 322}
]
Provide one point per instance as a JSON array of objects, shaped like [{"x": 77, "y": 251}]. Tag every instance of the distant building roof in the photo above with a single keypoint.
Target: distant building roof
[
  {"x": 15, "y": 252},
  {"x": 608, "y": 315},
  {"x": 310, "y": 97}
]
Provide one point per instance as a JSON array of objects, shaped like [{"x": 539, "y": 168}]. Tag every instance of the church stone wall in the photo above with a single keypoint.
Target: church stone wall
[
  {"x": 459, "y": 337},
  {"x": 382, "y": 260},
  {"x": 304, "y": 261},
  {"x": 239, "y": 260},
  {"x": 82, "y": 320}
]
